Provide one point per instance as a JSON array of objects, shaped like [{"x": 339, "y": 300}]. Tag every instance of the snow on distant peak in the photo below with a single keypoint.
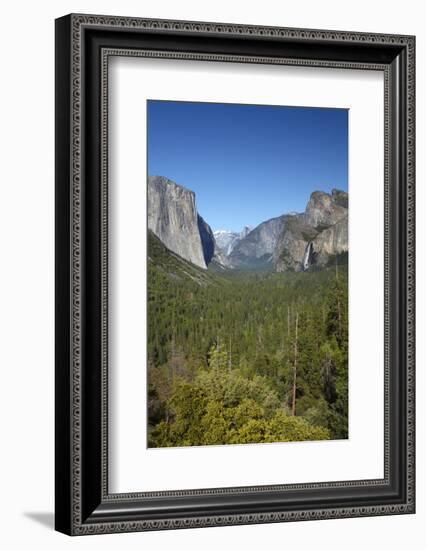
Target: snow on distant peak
[
  {"x": 222, "y": 232},
  {"x": 226, "y": 239}
]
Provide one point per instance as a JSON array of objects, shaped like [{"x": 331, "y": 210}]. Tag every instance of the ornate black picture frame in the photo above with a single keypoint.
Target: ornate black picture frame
[{"x": 83, "y": 45}]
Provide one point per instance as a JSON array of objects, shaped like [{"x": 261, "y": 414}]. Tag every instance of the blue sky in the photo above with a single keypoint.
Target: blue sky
[{"x": 248, "y": 163}]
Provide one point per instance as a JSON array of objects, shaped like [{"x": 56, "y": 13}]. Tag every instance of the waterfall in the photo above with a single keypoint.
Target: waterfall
[{"x": 307, "y": 258}]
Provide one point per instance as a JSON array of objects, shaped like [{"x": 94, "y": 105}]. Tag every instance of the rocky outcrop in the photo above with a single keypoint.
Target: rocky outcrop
[
  {"x": 340, "y": 198},
  {"x": 331, "y": 242},
  {"x": 314, "y": 237},
  {"x": 292, "y": 244},
  {"x": 322, "y": 209},
  {"x": 173, "y": 218},
  {"x": 258, "y": 246}
]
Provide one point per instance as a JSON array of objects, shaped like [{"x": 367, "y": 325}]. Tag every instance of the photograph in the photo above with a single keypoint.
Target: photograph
[
  {"x": 235, "y": 287},
  {"x": 247, "y": 273}
]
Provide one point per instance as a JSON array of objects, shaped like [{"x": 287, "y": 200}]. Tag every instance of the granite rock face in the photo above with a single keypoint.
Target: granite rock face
[
  {"x": 341, "y": 198},
  {"x": 258, "y": 245},
  {"x": 244, "y": 232},
  {"x": 331, "y": 242},
  {"x": 316, "y": 236},
  {"x": 173, "y": 218},
  {"x": 292, "y": 244},
  {"x": 323, "y": 210}
]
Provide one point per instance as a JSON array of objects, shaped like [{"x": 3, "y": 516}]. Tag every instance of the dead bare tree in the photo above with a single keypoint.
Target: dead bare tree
[{"x": 296, "y": 351}]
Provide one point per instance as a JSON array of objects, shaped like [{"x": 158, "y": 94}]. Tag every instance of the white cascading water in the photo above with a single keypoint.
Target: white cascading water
[{"x": 307, "y": 257}]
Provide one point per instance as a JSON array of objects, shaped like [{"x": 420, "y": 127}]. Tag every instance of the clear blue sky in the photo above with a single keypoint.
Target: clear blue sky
[{"x": 248, "y": 163}]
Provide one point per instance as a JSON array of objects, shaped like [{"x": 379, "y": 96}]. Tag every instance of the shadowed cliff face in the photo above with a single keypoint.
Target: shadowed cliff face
[
  {"x": 207, "y": 239},
  {"x": 173, "y": 218},
  {"x": 292, "y": 244},
  {"x": 317, "y": 235}
]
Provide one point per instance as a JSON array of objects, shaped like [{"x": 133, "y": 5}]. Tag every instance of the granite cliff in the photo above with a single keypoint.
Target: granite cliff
[
  {"x": 173, "y": 218},
  {"x": 257, "y": 248},
  {"x": 314, "y": 237}
]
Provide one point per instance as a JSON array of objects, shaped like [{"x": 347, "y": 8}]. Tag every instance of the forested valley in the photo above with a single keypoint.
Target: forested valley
[{"x": 240, "y": 357}]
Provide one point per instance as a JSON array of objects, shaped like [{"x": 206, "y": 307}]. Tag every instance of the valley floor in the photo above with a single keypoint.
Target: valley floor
[{"x": 243, "y": 357}]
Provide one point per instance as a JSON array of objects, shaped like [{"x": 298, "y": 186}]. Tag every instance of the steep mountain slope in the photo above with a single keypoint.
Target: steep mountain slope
[
  {"x": 292, "y": 244},
  {"x": 331, "y": 242},
  {"x": 163, "y": 263},
  {"x": 317, "y": 235},
  {"x": 173, "y": 217},
  {"x": 256, "y": 249}
]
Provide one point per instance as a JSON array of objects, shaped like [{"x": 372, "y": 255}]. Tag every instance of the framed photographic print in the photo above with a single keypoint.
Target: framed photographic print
[{"x": 234, "y": 274}]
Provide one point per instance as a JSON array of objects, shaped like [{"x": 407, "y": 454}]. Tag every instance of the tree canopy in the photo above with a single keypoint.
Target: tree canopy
[{"x": 247, "y": 358}]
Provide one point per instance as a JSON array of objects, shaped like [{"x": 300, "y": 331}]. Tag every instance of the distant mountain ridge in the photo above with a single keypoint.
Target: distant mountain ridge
[
  {"x": 257, "y": 248},
  {"x": 291, "y": 242}
]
